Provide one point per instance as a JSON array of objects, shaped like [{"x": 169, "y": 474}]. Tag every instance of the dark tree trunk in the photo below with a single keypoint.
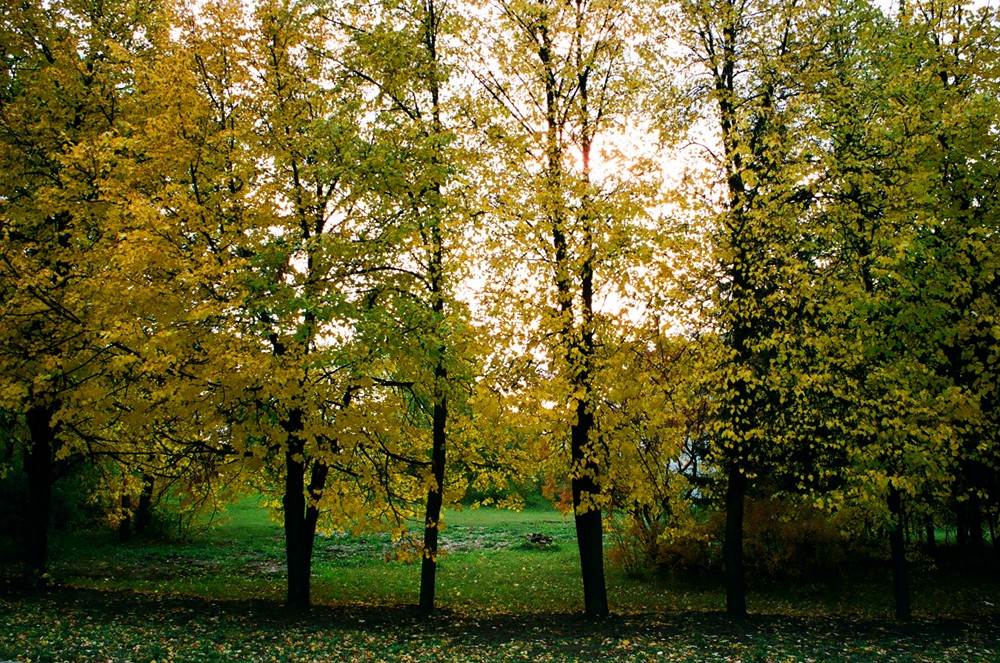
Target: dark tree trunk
[
  {"x": 977, "y": 541},
  {"x": 144, "y": 512},
  {"x": 439, "y": 424},
  {"x": 993, "y": 532},
  {"x": 589, "y": 527},
  {"x": 301, "y": 513},
  {"x": 297, "y": 546},
  {"x": 435, "y": 498},
  {"x": 897, "y": 547},
  {"x": 576, "y": 342},
  {"x": 961, "y": 525},
  {"x": 735, "y": 571},
  {"x": 317, "y": 481},
  {"x": 38, "y": 465},
  {"x": 930, "y": 535}
]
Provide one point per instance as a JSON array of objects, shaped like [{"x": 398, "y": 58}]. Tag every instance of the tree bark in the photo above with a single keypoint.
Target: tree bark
[
  {"x": 735, "y": 566},
  {"x": 435, "y": 499},
  {"x": 297, "y": 553},
  {"x": 930, "y": 535},
  {"x": 144, "y": 512},
  {"x": 961, "y": 525},
  {"x": 977, "y": 540},
  {"x": 439, "y": 417},
  {"x": 301, "y": 512},
  {"x": 992, "y": 525},
  {"x": 317, "y": 482},
  {"x": 897, "y": 546},
  {"x": 38, "y": 464},
  {"x": 589, "y": 526}
]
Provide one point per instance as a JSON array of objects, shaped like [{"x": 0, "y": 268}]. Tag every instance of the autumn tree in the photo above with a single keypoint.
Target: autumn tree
[
  {"x": 244, "y": 311},
  {"x": 883, "y": 321},
  {"x": 67, "y": 112},
  {"x": 564, "y": 77},
  {"x": 404, "y": 54},
  {"x": 953, "y": 261},
  {"x": 744, "y": 59},
  {"x": 865, "y": 237}
]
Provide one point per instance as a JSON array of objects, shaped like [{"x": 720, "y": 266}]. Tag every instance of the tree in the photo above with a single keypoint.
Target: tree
[
  {"x": 563, "y": 75},
  {"x": 236, "y": 314},
  {"x": 323, "y": 236},
  {"x": 746, "y": 57},
  {"x": 67, "y": 107},
  {"x": 416, "y": 294},
  {"x": 955, "y": 266},
  {"x": 882, "y": 324}
]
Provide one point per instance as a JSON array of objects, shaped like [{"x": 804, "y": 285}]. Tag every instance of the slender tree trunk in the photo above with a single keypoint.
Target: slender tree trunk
[
  {"x": 301, "y": 513},
  {"x": 589, "y": 527},
  {"x": 961, "y": 525},
  {"x": 38, "y": 464},
  {"x": 439, "y": 423},
  {"x": 735, "y": 567},
  {"x": 897, "y": 546},
  {"x": 589, "y": 524},
  {"x": 930, "y": 535},
  {"x": 317, "y": 482},
  {"x": 977, "y": 540},
  {"x": 993, "y": 532},
  {"x": 144, "y": 512},
  {"x": 435, "y": 498}
]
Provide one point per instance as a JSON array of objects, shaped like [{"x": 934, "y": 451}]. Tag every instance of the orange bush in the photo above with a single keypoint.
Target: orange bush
[{"x": 782, "y": 538}]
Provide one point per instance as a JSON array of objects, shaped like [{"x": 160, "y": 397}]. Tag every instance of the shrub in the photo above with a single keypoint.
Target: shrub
[
  {"x": 782, "y": 538},
  {"x": 786, "y": 538}
]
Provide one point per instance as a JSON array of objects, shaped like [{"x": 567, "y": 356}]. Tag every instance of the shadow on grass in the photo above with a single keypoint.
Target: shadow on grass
[{"x": 183, "y": 624}]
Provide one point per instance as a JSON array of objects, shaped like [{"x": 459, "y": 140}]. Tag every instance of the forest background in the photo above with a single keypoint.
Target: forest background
[{"x": 675, "y": 262}]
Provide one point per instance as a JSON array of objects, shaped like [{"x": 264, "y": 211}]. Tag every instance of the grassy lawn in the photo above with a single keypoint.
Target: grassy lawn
[{"x": 218, "y": 597}]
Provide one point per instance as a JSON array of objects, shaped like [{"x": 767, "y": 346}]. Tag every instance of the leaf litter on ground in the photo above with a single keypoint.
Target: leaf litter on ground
[{"x": 65, "y": 624}]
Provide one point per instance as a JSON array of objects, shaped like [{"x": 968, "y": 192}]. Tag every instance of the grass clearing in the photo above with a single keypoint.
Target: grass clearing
[{"x": 217, "y": 597}]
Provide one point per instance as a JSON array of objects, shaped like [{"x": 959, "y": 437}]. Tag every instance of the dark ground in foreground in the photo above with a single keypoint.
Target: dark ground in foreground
[{"x": 66, "y": 624}]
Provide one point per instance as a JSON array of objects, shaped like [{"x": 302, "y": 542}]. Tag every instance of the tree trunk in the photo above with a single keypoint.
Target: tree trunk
[
  {"x": 961, "y": 525},
  {"x": 897, "y": 546},
  {"x": 144, "y": 512},
  {"x": 992, "y": 520},
  {"x": 435, "y": 498},
  {"x": 977, "y": 541},
  {"x": 317, "y": 482},
  {"x": 930, "y": 535},
  {"x": 589, "y": 527},
  {"x": 298, "y": 547},
  {"x": 436, "y": 276},
  {"x": 301, "y": 513},
  {"x": 735, "y": 571},
  {"x": 38, "y": 464}
]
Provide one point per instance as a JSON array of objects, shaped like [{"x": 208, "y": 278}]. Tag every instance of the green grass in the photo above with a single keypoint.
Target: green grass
[{"x": 217, "y": 597}]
